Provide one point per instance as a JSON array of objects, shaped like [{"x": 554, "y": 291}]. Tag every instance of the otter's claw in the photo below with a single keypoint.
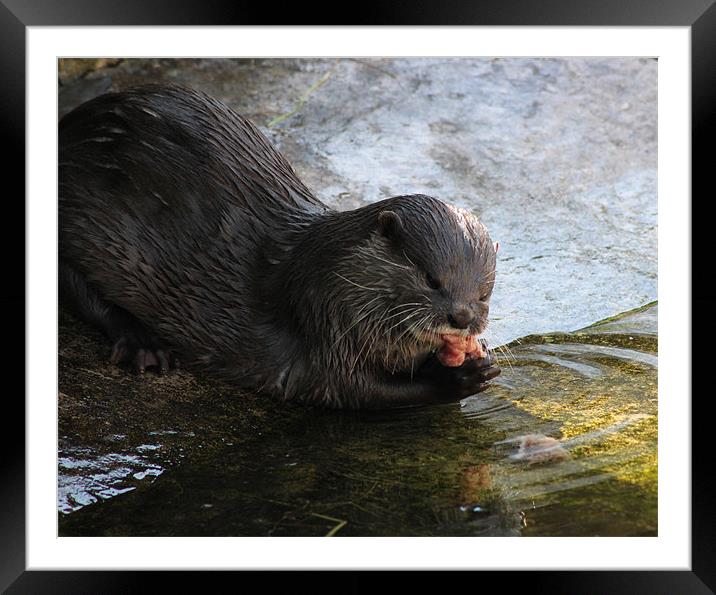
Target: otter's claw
[
  {"x": 127, "y": 348},
  {"x": 473, "y": 376}
]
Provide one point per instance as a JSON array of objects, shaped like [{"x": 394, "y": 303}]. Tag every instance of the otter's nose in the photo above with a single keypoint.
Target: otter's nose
[{"x": 460, "y": 318}]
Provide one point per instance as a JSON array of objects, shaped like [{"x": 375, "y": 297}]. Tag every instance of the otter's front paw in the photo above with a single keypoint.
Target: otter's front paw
[
  {"x": 141, "y": 354},
  {"x": 473, "y": 376},
  {"x": 461, "y": 381}
]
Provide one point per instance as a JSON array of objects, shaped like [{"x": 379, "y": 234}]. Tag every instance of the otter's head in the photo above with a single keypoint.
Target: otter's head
[{"x": 433, "y": 266}]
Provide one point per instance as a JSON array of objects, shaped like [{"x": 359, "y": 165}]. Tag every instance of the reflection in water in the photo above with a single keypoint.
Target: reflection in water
[
  {"x": 564, "y": 443},
  {"x": 86, "y": 477}
]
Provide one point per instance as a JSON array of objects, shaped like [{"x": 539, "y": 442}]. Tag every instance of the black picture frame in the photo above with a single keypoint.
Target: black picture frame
[{"x": 17, "y": 15}]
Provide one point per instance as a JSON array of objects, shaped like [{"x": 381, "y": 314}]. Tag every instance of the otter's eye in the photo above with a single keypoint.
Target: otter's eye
[{"x": 432, "y": 282}]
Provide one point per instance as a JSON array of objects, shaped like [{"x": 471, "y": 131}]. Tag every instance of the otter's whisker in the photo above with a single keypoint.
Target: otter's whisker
[
  {"x": 408, "y": 258},
  {"x": 508, "y": 350},
  {"x": 368, "y": 313},
  {"x": 507, "y": 359},
  {"x": 406, "y": 304},
  {"x": 503, "y": 349},
  {"x": 429, "y": 326},
  {"x": 395, "y": 264},
  {"x": 378, "y": 325},
  {"x": 411, "y": 327},
  {"x": 433, "y": 331},
  {"x": 406, "y": 348},
  {"x": 357, "y": 285},
  {"x": 427, "y": 298},
  {"x": 404, "y": 311},
  {"x": 374, "y": 335},
  {"x": 414, "y": 313}
]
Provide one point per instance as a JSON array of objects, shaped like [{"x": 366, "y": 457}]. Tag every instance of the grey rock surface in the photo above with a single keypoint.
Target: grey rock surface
[{"x": 558, "y": 157}]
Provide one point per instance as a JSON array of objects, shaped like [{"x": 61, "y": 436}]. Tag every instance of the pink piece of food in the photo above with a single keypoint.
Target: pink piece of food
[{"x": 457, "y": 348}]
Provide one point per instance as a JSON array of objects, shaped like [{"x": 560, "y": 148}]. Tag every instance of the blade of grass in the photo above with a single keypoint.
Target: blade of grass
[
  {"x": 304, "y": 98},
  {"x": 338, "y": 527}
]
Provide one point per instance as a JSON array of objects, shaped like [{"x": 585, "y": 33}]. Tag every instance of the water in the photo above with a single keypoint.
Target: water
[{"x": 563, "y": 443}]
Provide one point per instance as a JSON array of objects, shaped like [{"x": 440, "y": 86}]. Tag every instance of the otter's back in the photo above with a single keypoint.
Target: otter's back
[
  {"x": 182, "y": 142},
  {"x": 169, "y": 185}
]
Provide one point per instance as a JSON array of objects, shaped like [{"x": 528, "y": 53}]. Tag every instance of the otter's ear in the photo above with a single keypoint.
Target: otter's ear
[{"x": 390, "y": 224}]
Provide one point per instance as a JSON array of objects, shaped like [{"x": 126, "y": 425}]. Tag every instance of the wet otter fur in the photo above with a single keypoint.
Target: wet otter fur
[{"x": 183, "y": 232}]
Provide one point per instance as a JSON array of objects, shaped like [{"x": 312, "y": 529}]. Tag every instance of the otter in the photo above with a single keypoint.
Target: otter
[{"x": 183, "y": 233}]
